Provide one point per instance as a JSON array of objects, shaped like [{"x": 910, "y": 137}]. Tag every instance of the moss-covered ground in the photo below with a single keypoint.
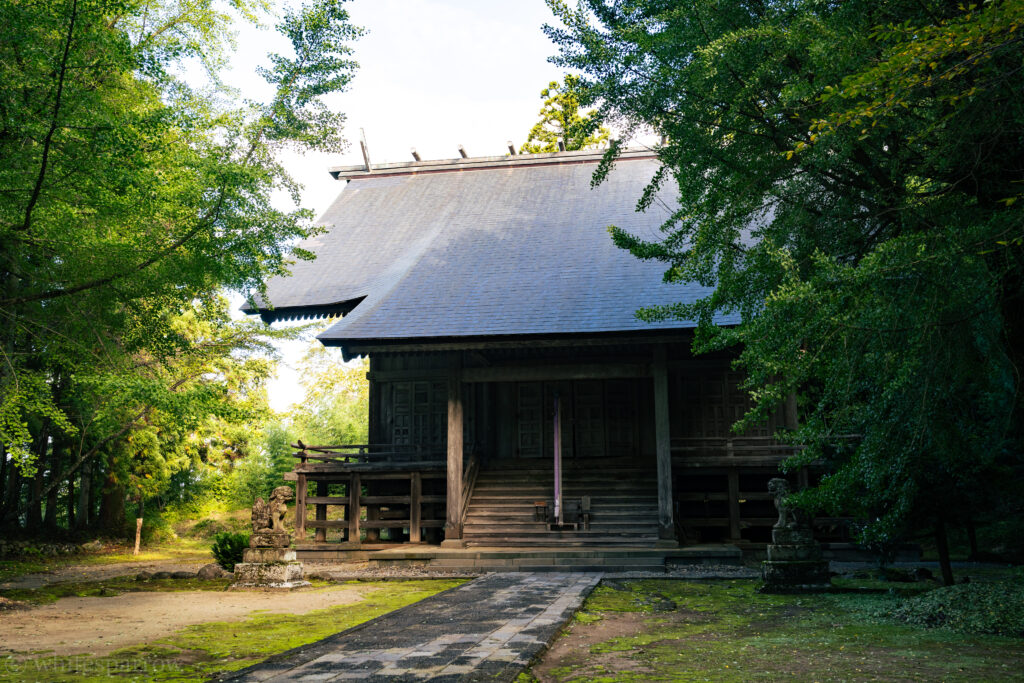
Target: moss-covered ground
[
  {"x": 665, "y": 630},
  {"x": 181, "y": 550},
  {"x": 198, "y": 652},
  {"x": 109, "y": 587}
]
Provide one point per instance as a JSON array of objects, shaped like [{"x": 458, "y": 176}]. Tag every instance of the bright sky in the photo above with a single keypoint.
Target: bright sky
[{"x": 433, "y": 74}]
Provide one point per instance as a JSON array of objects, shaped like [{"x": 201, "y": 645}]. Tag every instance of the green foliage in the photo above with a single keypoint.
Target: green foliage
[
  {"x": 228, "y": 547},
  {"x": 996, "y": 608},
  {"x": 846, "y": 175},
  {"x": 561, "y": 120},
  {"x": 335, "y": 406},
  {"x": 132, "y": 201},
  {"x": 260, "y": 473}
]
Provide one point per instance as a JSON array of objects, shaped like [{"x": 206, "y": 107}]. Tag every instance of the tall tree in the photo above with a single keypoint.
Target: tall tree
[
  {"x": 848, "y": 177},
  {"x": 562, "y": 121},
  {"x": 128, "y": 195}
]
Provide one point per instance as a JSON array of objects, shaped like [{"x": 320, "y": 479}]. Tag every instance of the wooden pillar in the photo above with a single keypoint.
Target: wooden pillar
[
  {"x": 734, "y": 504},
  {"x": 373, "y": 515},
  {"x": 663, "y": 448},
  {"x": 354, "y": 490},
  {"x": 300, "y": 507},
  {"x": 453, "y": 521},
  {"x": 322, "y": 489},
  {"x": 415, "y": 495}
]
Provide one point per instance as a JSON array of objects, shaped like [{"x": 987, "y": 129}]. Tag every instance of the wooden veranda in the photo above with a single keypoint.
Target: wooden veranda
[{"x": 364, "y": 489}]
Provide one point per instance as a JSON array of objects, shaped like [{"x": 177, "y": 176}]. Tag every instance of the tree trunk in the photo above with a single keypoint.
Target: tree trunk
[
  {"x": 972, "y": 539},
  {"x": 942, "y": 545},
  {"x": 95, "y": 488},
  {"x": 41, "y": 448},
  {"x": 4, "y": 472},
  {"x": 50, "y": 520},
  {"x": 112, "y": 507},
  {"x": 34, "y": 512},
  {"x": 138, "y": 526},
  {"x": 12, "y": 494},
  {"x": 71, "y": 502},
  {"x": 84, "y": 496}
]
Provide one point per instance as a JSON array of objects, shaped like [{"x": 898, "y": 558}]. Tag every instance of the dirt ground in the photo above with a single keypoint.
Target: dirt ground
[{"x": 99, "y": 625}]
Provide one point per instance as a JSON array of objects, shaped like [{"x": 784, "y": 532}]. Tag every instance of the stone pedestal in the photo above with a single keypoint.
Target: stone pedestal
[
  {"x": 268, "y": 563},
  {"x": 268, "y": 568},
  {"x": 794, "y": 564}
]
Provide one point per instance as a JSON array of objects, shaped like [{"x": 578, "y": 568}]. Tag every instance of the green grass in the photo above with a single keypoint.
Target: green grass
[
  {"x": 664, "y": 630},
  {"x": 198, "y": 652}
]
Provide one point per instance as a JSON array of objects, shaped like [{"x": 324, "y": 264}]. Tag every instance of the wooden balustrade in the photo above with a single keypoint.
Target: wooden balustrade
[{"x": 378, "y": 469}]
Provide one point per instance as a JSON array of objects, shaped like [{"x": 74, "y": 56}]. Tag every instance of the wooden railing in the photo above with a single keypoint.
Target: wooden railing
[
  {"x": 366, "y": 465},
  {"x": 468, "y": 482},
  {"x": 730, "y": 451},
  {"x": 387, "y": 454}
]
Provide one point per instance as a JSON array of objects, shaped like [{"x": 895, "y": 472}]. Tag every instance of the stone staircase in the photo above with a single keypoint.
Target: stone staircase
[{"x": 623, "y": 501}]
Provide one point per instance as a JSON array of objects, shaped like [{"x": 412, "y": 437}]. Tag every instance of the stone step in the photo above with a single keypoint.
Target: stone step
[
  {"x": 598, "y": 564},
  {"x": 516, "y": 526},
  {"x": 564, "y": 542},
  {"x": 527, "y": 509}
]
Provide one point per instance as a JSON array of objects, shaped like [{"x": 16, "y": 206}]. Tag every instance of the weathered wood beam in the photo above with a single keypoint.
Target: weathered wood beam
[
  {"x": 453, "y": 526},
  {"x": 300, "y": 506},
  {"x": 533, "y": 343},
  {"x": 353, "y": 512},
  {"x": 536, "y": 373},
  {"x": 663, "y": 447},
  {"x": 734, "y": 505},
  {"x": 321, "y": 510},
  {"x": 522, "y": 373},
  {"x": 415, "y": 499}
]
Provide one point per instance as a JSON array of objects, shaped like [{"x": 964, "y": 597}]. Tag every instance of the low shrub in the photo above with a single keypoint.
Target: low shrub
[
  {"x": 996, "y": 608},
  {"x": 228, "y": 547}
]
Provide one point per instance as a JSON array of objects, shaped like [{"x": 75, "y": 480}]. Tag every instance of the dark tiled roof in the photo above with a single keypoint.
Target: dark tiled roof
[{"x": 505, "y": 249}]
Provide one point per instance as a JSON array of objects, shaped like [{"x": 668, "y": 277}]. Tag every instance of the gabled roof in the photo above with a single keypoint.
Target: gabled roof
[{"x": 482, "y": 248}]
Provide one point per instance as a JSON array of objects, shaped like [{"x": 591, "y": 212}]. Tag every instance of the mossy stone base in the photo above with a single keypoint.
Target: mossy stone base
[
  {"x": 795, "y": 576},
  {"x": 269, "y": 575},
  {"x": 794, "y": 553},
  {"x": 270, "y": 539},
  {"x": 793, "y": 537},
  {"x": 265, "y": 555}
]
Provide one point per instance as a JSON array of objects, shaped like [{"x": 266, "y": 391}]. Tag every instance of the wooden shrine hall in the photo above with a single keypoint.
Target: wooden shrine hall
[{"x": 515, "y": 398}]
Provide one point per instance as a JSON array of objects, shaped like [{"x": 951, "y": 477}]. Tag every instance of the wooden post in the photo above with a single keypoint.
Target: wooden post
[
  {"x": 354, "y": 487},
  {"x": 300, "y": 507},
  {"x": 321, "y": 511},
  {"x": 734, "y": 505},
  {"x": 415, "y": 494},
  {"x": 663, "y": 448},
  {"x": 453, "y": 522},
  {"x": 372, "y": 515}
]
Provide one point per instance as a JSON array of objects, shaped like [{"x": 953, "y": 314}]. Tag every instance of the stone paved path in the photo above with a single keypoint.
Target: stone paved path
[{"x": 487, "y": 629}]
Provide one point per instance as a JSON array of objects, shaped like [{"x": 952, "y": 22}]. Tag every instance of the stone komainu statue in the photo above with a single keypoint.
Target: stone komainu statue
[
  {"x": 779, "y": 488},
  {"x": 270, "y": 516}
]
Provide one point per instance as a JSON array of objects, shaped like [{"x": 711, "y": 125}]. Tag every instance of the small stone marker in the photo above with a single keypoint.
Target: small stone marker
[
  {"x": 268, "y": 563},
  {"x": 794, "y": 563}
]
